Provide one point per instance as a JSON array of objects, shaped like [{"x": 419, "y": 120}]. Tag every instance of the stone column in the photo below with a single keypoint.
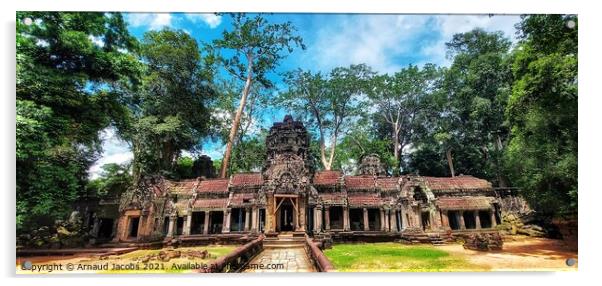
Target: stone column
[
  {"x": 393, "y": 220},
  {"x": 226, "y": 223},
  {"x": 318, "y": 212},
  {"x": 461, "y": 220},
  {"x": 170, "y": 228},
  {"x": 444, "y": 220},
  {"x": 382, "y": 218},
  {"x": 206, "y": 223},
  {"x": 95, "y": 227},
  {"x": 254, "y": 219},
  {"x": 493, "y": 222},
  {"x": 270, "y": 225},
  {"x": 346, "y": 218},
  {"x": 327, "y": 218},
  {"x": 301, "y": 205},
  {"x": 188, "y": 224},
  {"x": 247, "y": 218},
  {"x": 477, "y": 220},
  {"x": 366, "y": 221}
]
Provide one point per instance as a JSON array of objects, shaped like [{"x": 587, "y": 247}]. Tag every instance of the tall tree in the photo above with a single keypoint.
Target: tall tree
[
  {"x": 328, "y": 104},
  {"x": 249, "y": 53},
  {"x": 402, "y": 103},
  {"x": 470, "y": 130},
  {"x": 170, "y": 111},
  {"x": 70, "y": 67},
  {"x": 542, "y": 112}
]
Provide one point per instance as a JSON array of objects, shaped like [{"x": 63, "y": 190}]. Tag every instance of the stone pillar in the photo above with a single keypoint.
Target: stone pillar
[
  {"x": 393, "y": 220},
  {"x": 366, "y": 221},
  {"x": 301, "y": 205},
  {"x": 206, "y": 223},
  {"x": 270, "y": 225},
  {"x": 254, "y": 219},
  {"x": 188, "y": 224},
  {"x": 95, "y": 227},
  {"x": 461, "y": 220},
  {"x": 382, "y": 218},
  {"x": 346, "y": 218},
  {"x": 170, "y": 228},
  {"x": 444, "y": 220},
  {"x": 493, "y": 222},
  {"x": 247, "y": 218},
  {"x": 327, "y": 218},
  {"x": 477, "y": 220},
  {"x": 226, "y": 223},
  {"x": 318, "y": 212}
]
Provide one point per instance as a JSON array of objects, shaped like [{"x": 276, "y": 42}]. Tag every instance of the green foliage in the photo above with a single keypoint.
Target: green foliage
[
  {"x": 170, "y": 113},
  {"x": 183, "y": 168},
  {"x": 249, "y": 52},
  {"x": 328, "y": 104},
  {"x": 249, "y": 154},
  {"x": 358, "y": 142},
  {"x": 473, "y": 95},
  {"x": 254, "y": 45},
  {"x": 71, "y": 68},
  {"x": 542, "y": 113},
  {"x": 405, "y": 101},
  {"x": 113, "y": 181}
]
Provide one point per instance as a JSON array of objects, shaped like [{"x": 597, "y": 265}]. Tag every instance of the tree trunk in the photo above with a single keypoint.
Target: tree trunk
[
  {"x": 237, "y": 118},
  {"x": 450, "y": 162},
  {"x": 396, "y": 146}
]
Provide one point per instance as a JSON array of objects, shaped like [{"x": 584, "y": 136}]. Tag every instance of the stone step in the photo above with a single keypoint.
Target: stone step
[
  {"x": 281, "y": 242},
  {"x": 265, "y": 246}
]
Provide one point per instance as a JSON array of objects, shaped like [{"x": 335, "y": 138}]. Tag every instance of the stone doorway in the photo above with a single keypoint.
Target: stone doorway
[
  {"x": 133, "y": 229},
  {"x": 285, "y": 214}
]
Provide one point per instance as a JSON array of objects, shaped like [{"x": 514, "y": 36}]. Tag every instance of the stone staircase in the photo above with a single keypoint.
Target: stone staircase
[{"x": 285, "y": 240}]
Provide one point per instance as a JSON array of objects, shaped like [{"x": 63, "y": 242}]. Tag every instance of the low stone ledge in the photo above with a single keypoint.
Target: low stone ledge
[
  {"x": 235, "y": 260},
  {"x": 320, "y": 260}
]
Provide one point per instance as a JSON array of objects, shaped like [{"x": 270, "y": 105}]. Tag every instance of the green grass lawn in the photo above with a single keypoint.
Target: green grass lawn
[{"x": 394, "y": 257}]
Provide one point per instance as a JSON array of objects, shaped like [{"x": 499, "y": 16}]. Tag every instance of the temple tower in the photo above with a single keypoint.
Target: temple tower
[{"x": 287, "y": 175}]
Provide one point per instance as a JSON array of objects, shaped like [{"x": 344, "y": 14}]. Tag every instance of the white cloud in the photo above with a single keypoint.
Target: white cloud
[
  {"x": 115, "y": 151},
  {"x": 370, "y": 39},
  {"x": 211, "y": 20},
  {"x": 448, "y": 25},
  {"x": 380, "y": 40},
  {"x": 154, "y": 21}
]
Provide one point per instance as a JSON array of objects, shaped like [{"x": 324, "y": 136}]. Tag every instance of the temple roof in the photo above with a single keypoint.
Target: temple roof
[
  {"x": 387, "y": 183},
  {"x": 456, "y": 183},
  {"x": 364, "y": 200},
  {"x": 360, "y": 182},
  {"x": 333, "y": 198},
  {"x": 327, "y": 178},
  {"x": 185, "y": 186},
  {"x": 464, "y": 203},
  {"x": 247, "y": 179},
  {"x": 240, "y": 198},
  {"x": 210, "y": 203},
  {"x": 213, "y": 186}
]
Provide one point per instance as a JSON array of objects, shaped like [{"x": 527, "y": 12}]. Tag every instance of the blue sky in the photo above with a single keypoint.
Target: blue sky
[{"x": 384, "y": 42}]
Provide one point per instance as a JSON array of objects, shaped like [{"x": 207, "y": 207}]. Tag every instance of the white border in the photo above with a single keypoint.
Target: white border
[{"x": 589, "y": 138}]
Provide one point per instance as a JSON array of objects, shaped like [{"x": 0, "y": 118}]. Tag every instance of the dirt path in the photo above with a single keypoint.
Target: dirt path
[{"x": 522, "y": 254}]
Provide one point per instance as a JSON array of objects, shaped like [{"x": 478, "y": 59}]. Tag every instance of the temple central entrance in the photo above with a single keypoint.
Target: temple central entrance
[{"x": 285, "y": 213}]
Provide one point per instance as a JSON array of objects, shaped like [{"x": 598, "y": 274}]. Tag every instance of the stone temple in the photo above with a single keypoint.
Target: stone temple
[{"x": 289, "y": 195}]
